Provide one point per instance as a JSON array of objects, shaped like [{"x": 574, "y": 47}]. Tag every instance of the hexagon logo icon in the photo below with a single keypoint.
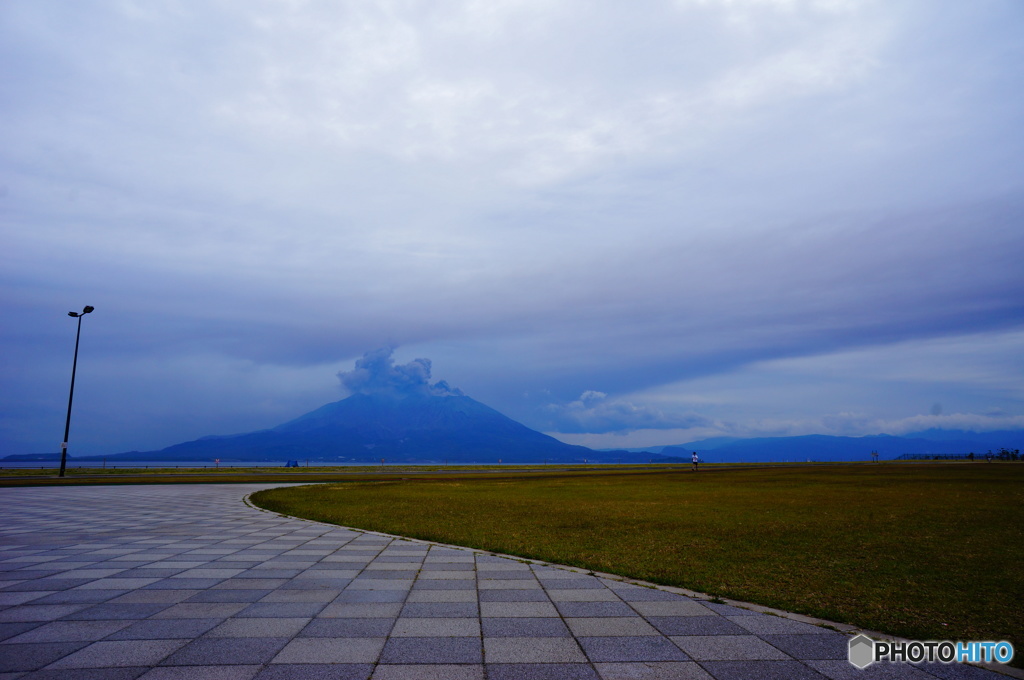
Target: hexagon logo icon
[{"x": 862, "y": 651}]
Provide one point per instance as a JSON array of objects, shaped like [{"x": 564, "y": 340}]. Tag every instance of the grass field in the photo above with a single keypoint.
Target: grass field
[{"x": 920, "y": 551}]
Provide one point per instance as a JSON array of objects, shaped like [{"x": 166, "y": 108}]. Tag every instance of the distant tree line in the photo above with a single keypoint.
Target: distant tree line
[{"x": 1002, "y": 454}]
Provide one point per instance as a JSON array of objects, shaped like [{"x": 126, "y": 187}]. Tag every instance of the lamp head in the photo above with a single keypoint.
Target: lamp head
[
  {"x": 72, "y": 313},
  {"x": 88, "y": 308}
]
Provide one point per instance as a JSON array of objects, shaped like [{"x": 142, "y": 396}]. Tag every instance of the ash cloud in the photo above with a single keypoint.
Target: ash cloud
[{"x": 376, "y": 373}]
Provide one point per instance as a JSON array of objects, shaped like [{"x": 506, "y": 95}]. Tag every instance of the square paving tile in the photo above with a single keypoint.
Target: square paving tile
[
  {"x": 161, "y": 629},
  {"x": 696, "y": 625},
  {"x": 775, "y": 625},
  {"x": 436, "y": 627},
  {"x": 9, "y": 599},
  {"x": 114, "y": 611},
  {"x": 69, "y": 631},
  {"x": 584, "y": 595},
  {"x": 255, "y": 627},
  {"x": 148, "y": 573},
  {"x": 287, "y": 610},
  {"x": 524, "y": 627},
  {"x": 540, "y": 671},
  {"x": 314, "y": 595},
  {"x": 43, "y": 612},
  {"x": 197, "y": 584},
  {"x": 525, "y": 575},
  {"x": 608, "y": 626},
  {"x": 201, "y": 610},
  {"x": 315, "y": 671},
  {"x": 726, "y": 647},
  {"x": 229, "y": 595},
  {"x": 652, "y": 670},
  {"x": 422, "y": 610},
  {"x": 595, "y": 609},
  {"x": 330, "y": 650},
  {"x": 762, "y": 670},
  {"x": 106, "y": 654},
  {"x": 442, "y": 596},
  {"x": 573, "y": 584},
  {"x": 385, "y": 610},
  {"x": 631, "y": 593},
  {"x": 381, "y": 564},
  {"x": 533, "y": 650},
  {"x": 348, "y": 628},
  {"x": 29, "y": 657},
  {"x": 47, "y": 584},
  {"x": 671, "y": 608},
  {"x": 447, "y": 566},
  {"x": 78, "y": 597},
  {"x": 250, "y": 584},
  {"x": 432, "y": 650},
  {"x": 517, "y": 609},
  {"x": 543, "y": 572},
  {"x": 125, "y": 673},
  {"x": 447, "y": 575},
  {"x": 204, "y": 572},
  {"x": 513, "y": 596},
  {"x": 91, "y": 573},
  {"x": 10, "y": 630},
  {"x": 154, "y": 597},
  {"x": 201, "y": 673},
  {"x": 259, "y": 572},
  {"x": 428, "y": 672},
  {"x": 379, "y": 584},
  {"x": 800, "y": 646},
  {"x": 641, "y": 648},
  {"x": 507, "y": 584},
  {"x": 227, "y": 651},
  {"x": 118, "y": 583},
  {"x": 729, "y": 610},
  {"x": 316, "y": 583},
  {"x": 844, "y": 670},
  {"x": 445, "y": 584},
  {"x": 372, "y": 596}
]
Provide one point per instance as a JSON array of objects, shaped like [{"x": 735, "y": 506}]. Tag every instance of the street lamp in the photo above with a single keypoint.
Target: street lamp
[{"x": 71, "y": 396}]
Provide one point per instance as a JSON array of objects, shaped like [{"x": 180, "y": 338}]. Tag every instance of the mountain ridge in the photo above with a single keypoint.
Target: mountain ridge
[{"x": 368, "y": 427}]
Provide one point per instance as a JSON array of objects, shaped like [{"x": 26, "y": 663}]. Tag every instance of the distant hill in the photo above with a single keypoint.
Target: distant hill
[
  {"x": 397, "y": 428},
  {"x": 829, "y": 448},
  {"x": 30, "y": 457}
]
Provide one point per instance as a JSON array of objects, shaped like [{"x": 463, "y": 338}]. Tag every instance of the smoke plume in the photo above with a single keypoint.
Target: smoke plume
[{"x": 376, "y": 373}]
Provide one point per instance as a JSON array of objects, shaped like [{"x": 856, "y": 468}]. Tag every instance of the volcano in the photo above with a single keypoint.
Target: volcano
[{"x": 413, "y": 428}]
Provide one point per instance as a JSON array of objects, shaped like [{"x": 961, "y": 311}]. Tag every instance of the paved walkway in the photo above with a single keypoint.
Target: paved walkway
[{"x": 185, "y": 581}]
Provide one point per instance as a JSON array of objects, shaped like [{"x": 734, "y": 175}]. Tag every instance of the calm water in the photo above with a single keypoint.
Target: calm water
[{"x": 47, "y": 465}]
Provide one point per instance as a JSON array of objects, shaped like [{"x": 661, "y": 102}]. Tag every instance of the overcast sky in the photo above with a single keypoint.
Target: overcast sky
[{"x": 624, "y": 224}]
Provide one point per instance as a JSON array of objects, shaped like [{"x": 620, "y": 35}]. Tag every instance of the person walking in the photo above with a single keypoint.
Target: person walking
[{"x": 695, "y": 460}]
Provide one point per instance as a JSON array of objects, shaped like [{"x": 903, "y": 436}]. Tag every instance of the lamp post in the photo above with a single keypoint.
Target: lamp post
[{"x": 71, "y": 396}]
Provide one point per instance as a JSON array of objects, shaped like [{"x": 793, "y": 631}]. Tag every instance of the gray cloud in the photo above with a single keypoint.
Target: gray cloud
[
  {"x": 593, "y": 412},
  {"x": 542, "y": 197}
]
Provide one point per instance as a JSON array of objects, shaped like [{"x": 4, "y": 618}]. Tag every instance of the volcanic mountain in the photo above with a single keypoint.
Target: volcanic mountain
[{"x": 396, "y": 427}]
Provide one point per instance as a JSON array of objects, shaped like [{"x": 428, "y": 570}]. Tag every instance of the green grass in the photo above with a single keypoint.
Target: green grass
[{"x": 921, "y": 551}]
